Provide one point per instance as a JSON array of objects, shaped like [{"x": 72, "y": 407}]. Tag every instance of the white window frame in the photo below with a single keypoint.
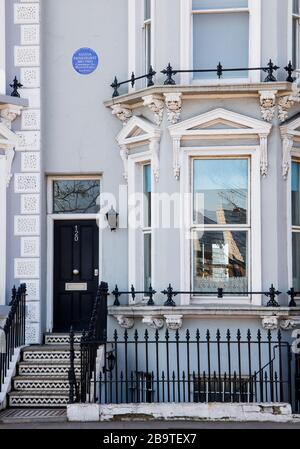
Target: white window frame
[
  {"x": 208, "y": 228},
  {"x": 3, "y": 237},
  {"x": 136, "y": 163},
  {"x": 51, "y": 218},
  {"x": 186, "y": 40},
  {"x": 254, "y": 241},
  {"x": 197, "y": 129},
  {"x": 136, "y": 34}
]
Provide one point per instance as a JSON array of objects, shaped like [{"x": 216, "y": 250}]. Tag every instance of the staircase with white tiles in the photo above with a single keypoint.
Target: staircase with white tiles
[{"x": 42, "y": 374}]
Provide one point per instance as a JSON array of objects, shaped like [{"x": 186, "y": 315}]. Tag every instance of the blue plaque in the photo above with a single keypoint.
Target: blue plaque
[{"x": 85, "y": 61}]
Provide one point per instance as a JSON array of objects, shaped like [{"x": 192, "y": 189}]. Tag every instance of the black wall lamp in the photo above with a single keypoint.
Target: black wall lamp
[
  {"x": 111, "y": 362},
  {"x": 113, "y": 218}
]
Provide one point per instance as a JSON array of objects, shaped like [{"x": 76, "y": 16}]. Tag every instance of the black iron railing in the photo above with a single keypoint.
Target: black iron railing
[
  {"x": 270, "y": 69},
  {"x": 79, "y": 388},
  {"x": 191, "y": 367},
  {"x": 149, "y": 76},
  {"x": 170, "y": 293},
  {"x": 13, "y": 331}
]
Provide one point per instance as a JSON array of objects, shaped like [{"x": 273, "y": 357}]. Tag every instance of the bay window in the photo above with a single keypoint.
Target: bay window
[
  {"x": 296, "y": 223},
  {"x": 221, "y": 225}
]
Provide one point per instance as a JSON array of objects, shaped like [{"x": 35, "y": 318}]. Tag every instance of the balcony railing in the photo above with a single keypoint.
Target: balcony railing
[
  {"x": 170, "y": 294},
  {"x": 270, "y": 68}
]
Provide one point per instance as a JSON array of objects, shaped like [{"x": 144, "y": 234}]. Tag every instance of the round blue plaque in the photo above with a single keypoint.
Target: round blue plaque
[{"x": 85, "y": 61}]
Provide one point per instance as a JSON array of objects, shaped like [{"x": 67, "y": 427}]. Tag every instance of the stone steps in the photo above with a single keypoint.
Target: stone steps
[{"x": 42, "y": 374}]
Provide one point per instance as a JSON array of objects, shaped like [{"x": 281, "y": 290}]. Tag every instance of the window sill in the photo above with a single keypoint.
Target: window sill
[
  {"x": 173, "y": 318},
  {"x": 192, "y": 311},
  {"x": 134, "y": 99},
  {"x": 13, "y": 101}
]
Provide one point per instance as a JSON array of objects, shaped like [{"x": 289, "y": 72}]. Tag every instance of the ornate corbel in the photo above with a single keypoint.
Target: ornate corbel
[
  {"x": 155, "y": 148},
  {"x": 268, "y": 104},
  {"x": 154, "y": 323},
  {"x": 122, "y": 112},
  {"x": 264, "y": 154},
  {"x": 156, "y": 105},
  {"x": 125, "y": 322},
  {"x": 287, "y": 102},
  {"x": 124, "y": 157},
  {"x": 287, "y": 145},
  {"x": 270, "y": 323},
  {"x": 174, "y": 322},
  {"x": 174, "y": 107},
  {"x": 290, "y": 323},
  {"x": 9, "y": 113}
]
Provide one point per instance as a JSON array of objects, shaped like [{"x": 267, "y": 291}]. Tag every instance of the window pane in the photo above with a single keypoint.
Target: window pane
[
  {"x": 147, "y": 262},
  {"x": 296, "y": 9},
  {"x": 227, "y": 36},
  {"x": 147, "y": 47},
  {"x": 295, "y": 194},
  {"x": 147, "y": 9},
  {"x": 219, "y": 4},
  {"x": 220, "y": 191},
  {"x": 76, "y": 196},
  {"x": 220, "y": 261},
  {"x": 147, "y": 196}
]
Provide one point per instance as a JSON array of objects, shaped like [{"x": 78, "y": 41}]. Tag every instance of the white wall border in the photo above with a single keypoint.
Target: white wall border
[{"x": 3, "y": 236}]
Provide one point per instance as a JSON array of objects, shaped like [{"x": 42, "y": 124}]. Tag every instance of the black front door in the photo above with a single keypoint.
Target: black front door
[{"x": 76, "y": 273}]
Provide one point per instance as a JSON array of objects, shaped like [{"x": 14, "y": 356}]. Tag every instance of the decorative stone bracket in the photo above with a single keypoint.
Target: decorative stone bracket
[
  {"x": 268, "y": 104},
  {"x": 9, "y": 113},
  {"x": 173, "y": 322},
  {"x": 122, "y": 112},
  {"x": 154, "y": 323},
  {"x": 276, "y": 322},
  {"x": 287, "y": 145},
  {"x": 285, "y": 103},
  {"x": 173, "y": 103},
  {"x": 156, "y": 104}
]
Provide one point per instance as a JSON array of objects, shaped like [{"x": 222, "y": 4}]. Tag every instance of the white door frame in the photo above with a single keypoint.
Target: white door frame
[
  {"x": 51, "y": 219},
  {"x": 3, "y": 177}
]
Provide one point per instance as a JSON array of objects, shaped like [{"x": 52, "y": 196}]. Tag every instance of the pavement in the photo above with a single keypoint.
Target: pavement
[{"x": 152, "y": 425}]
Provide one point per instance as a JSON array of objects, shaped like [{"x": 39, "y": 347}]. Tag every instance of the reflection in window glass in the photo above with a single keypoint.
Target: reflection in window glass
[
  {"x": 296, "y": 261},
  {"x": 80, "y": 196},
  {"x": 295, "y": 194},
  {"x": 147, "y": 196},
  {"x": 219, "y": 4},
  {"x": 220, "y": 191},
  {"x": 220, "y": 261},
  {"x": 147, "y": 262}
]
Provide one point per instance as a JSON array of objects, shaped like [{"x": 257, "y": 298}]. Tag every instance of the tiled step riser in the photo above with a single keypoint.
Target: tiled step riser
[
  {"x": 48, "y": 356},
  {"x": 40, "y": 371},
  {"x": 41, "y": 385},
  {"x": 61, "y": 340},
  {"x": 35, "y": 402}
]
